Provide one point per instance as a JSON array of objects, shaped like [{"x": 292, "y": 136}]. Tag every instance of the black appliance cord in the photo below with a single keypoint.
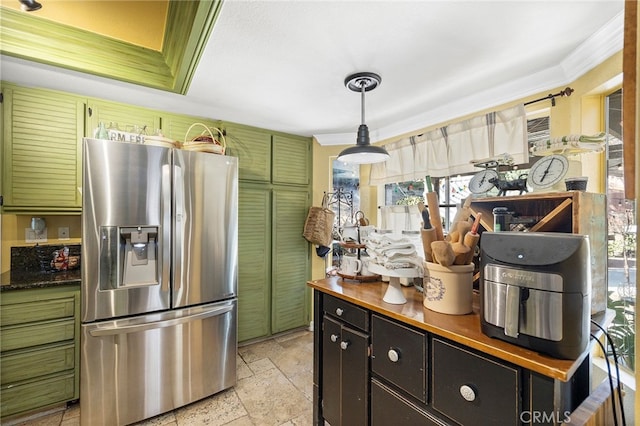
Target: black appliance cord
[
  {"x": 615, "y": 360},
  {"x": 615, "y": 415}
]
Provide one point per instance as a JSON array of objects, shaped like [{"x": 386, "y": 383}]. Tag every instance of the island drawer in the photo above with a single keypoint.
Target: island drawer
[
  {"x": 399, "y": 355},
  {"x": 468, "y": 387},
  {"x": 347, "y": 312},
  {"x": 390, "y": 408}
]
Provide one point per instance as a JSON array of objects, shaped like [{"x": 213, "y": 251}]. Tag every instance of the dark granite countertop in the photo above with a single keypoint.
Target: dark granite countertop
[{"x": 25, "y": 280}]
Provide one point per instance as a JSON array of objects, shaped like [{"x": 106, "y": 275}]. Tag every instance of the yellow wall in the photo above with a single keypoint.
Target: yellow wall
[{"x": 13, "y": 232}]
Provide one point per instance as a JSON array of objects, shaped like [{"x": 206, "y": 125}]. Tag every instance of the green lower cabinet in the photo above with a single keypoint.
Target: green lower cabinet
[
  {"x": 273, "y": 261},
  {"x": 40, "y": 348},
  {"x": 291, "y": 264},
  {"x": 254, "y": 262},
  {"x": 43, "y": 392}
]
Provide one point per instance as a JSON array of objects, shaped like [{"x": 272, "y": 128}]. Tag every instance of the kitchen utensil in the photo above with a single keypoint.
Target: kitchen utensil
[
  {"x": 428, "y": 236},
  {"x": 442, "y": 252},
  {"x": 434, "y": 210}
]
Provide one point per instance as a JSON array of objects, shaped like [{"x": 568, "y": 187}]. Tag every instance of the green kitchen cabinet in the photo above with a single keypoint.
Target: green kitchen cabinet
[
  {"x": 41, "y": 166},
  {"x": 254, "y": 262},
  {"x": 268, "y": 156},
  {"x": 273, "y": 260},
  {"x": 290, "y": 260},
  {"x": 291, "y": 156},
  {"x": 39, "y": 348},
  {"x": 185, "y": 127},
  {"x": 253, "y": 147},
  {"x": 128, "y": 118}
]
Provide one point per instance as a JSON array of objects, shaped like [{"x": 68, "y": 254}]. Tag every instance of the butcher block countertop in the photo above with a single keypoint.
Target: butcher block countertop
[{"x": 464, "y": 329}]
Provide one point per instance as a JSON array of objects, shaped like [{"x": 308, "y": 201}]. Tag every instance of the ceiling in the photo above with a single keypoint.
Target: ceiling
[{"x": 281, "y": 65}]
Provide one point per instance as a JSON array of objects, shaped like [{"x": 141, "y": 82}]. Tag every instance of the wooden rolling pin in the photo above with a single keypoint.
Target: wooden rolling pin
[
  {"x": 434, "y": 210},
  {"x": 428, "y": 236},
  {"x": 471, "y": 239}
]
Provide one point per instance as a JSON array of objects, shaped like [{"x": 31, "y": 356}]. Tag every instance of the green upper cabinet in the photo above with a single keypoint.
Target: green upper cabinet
[
  {"x": 126, "y": 117},
  {"x": 253, "y": 148},
  {"x": 291, "y": 160},
  {"x": 184, "y": 127},
  {"x": 41, "y": 150}
]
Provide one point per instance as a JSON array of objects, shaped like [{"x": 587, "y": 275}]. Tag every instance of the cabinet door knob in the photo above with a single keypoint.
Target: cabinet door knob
[
  {"x": 467, "y": 393},
  {"x": 334, "y": 338},
  {"x": 339, "y": 311},
  {"x": 393, "y": 355},
  {"x": 344, "y": 345}
]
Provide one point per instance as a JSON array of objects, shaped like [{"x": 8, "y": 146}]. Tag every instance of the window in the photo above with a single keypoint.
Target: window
[{"x": 621, "y": 262}]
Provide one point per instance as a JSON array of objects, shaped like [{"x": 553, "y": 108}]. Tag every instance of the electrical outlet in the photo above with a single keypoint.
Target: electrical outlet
[
  {"x": 31, "y": 236},
  {"x": 63, "y": 233}
]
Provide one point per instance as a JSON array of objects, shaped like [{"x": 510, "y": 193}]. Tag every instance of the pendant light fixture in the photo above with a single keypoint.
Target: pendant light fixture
[
  {"x": 30, "y": 5},
  {"x": 363, "y": 152}
]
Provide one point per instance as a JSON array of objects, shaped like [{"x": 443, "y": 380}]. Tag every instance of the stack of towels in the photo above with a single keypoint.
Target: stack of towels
[{"x": 393, "y": 252}]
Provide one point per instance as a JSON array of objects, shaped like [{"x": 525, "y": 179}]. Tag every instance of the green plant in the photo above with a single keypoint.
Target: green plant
[{"x": 622, "y": 331}]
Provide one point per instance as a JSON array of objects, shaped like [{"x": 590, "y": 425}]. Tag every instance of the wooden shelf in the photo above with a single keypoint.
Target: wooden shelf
[{"x": 576, "y": 212}]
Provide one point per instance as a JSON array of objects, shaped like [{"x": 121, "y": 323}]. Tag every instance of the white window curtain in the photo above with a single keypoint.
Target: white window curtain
[
  {"x": 400, "y": 218},
  {"x": 449, "y": 150}
]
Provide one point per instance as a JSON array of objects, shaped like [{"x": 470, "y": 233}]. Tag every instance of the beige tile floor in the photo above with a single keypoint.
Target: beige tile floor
[{"x": 275, "y": 381}]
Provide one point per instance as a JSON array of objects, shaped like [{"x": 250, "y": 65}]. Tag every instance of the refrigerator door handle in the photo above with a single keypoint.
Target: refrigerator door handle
[
  {"x": 165, "y": 219},
  {"x": 178, "y": 232},
  {"x": 124, "y": 329}
]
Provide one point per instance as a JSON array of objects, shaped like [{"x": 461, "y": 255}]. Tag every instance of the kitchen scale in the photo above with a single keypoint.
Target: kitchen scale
[{"x": 549, "y": 172}]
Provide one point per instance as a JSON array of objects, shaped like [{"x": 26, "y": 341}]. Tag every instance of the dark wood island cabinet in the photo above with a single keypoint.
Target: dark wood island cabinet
[{"x": 381, "y": 364}]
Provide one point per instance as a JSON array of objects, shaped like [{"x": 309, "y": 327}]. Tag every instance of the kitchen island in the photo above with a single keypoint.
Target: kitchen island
[{"x": 380, "y": 363}]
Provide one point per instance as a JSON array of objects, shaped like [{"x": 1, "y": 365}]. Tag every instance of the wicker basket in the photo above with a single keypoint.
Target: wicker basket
[
  {"x": 205, "y": 141},
  {"x": 318, "y": 226}
]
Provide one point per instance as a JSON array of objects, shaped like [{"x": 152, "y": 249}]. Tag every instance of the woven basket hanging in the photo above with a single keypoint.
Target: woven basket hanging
[{"x": 318, "y": 226}]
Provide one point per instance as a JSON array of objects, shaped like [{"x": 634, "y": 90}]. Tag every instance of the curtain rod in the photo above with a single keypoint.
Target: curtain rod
[{"x": 566, "y": 92}]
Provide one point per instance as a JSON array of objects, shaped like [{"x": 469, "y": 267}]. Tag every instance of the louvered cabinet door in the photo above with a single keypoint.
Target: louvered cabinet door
[
  {"x": 185, "y": 128},
  {"x": 254, "y": 262},
  {"x": 253, "y": 148},
  {"x": 291, "y": 160},
  {"x": 126, "y": 117},
  {"x": 290, "y": 261},
  {"x": 41, "y": 149}
]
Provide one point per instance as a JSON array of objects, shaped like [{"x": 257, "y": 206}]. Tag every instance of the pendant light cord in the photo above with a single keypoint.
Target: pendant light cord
[{"x": 362, "y": 90}]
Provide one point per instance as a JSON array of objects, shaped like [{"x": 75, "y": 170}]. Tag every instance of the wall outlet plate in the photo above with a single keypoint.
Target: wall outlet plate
[
  {"x": 30, "y": 236},
  {"x": 63, "y": 233}
]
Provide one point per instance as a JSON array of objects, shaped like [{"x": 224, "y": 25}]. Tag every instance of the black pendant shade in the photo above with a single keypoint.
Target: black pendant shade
[
  {"x": 363, "y": 152},
  {"x": 30, "y": 5}
]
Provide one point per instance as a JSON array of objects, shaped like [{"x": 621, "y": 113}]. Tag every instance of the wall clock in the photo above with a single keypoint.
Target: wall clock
[
  {"x": 481, "y": 181},
  {"x": 548, "y": 171}
]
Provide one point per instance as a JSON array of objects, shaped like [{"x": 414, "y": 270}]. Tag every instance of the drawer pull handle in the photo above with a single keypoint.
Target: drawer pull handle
[
  {"x": 344, "y": 345},
  {"x": 393, "y": 355},
  {"x": 334, "y": 338},
  {"x": 339, "y": 311},
  {"x": 467, "y": 393}
]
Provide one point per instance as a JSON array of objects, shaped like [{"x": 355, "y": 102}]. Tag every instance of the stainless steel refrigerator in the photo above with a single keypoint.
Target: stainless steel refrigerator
[{"x": 159, "y": 279}]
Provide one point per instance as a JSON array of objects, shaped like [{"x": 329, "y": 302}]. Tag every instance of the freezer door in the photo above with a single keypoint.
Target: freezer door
[
  {"x": 205, "y": 228},
  {"x": 126, "y": 229},
  {"x": 137, "y": 368}
]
